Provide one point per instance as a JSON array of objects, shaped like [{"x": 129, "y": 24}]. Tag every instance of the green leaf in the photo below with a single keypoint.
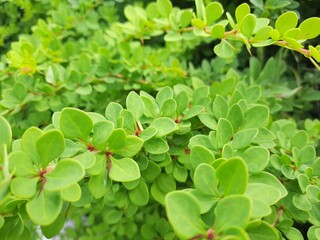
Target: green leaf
[
  {"x": 148, "y": 133},
  {"x": 28, "y": 142},
  {"x": 84, "y": 90},
  {"x": 233, "y": 176},
  {"x": 235, "y": 116},
  {"x": 132, "y": 146},
  {"x": 301, "y": 202},
  {"x": 140, "y": 195},
  {"x": 156, "y": 146},
  {"x": 200, "y": 10},
  {"x": 208, "y": 120},
  {"x": 193, "y": 111},
  {"x": 262, "y": 34},
  {"x": 200, "y": 154},
  {"x": 182, "y": 101},
  {"x": 54, "y": 228},
  {"x": 75, "y": 124},
  {"x": 113, "y": 111},
  {"x": 21, "y": 165},
  {"x": 256, "y": 158},
  {"x": 205, "y": 180},
  {"x": 274, "y": 34},
  {"x": 248, "y": 25},
  {"x": 72, "y": 193},
  {"x": 101, "y": 132},
  {"x": 185, "y": 18},
  {"x": 315, "y": 53},
  {"x": 164, "y": 7},
  {"x": 173, "y": 37},
  {"x": 50, "y": 146},
  {"x": 117, "y": 139},
  {"x": 224, "y": 132},
  {"x": 230, "y": 206},
  {"x": 269, "y": 179},
  {"x": 135, "y": 104},
  {"x": 124, "y": 170},
  {"x": 87, "y": 159},
  {"x": 242, "y": 11},
  {"x": 98, "y": 185},
  {"x": 309, "y": 28},
  {"x": 258, "y": 4},
  {"x": 214, "y": 11},
  {"x": 259, "y": 209},
  {"x": 307, "y": 155},
  {"x": 217, "y": 31},
  {"x": 166, "y": 182},
  {"x": 6, "y": 134},
  {"x": 286, "y": 21},
  {"x": 224, "y": 49},
  {"x": 45, "y": 208},
  {"x": 243, "y": 138},
  {"x": 183, "y": 212},
  {"x": 256, "y": 117},
  {"x": 263, "y": 192},
  {"x": 164, "y": 126},
  {"x": 168, "y": 108},
  {"x": 24, "y": 187},
  {"x": 293, "y": 43},
  {"x": 66, "y": 173},
  {"x": 261, "y": 230},
  {"x": 299, "y": 139},
  {"x": 220, "y": 107}
]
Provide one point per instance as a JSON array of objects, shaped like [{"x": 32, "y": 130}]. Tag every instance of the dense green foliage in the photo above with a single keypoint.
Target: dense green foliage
[{"x": 153, "y": 121}]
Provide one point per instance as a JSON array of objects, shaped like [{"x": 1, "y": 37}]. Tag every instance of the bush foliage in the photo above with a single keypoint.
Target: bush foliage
[{"x": 159, "y": 120}]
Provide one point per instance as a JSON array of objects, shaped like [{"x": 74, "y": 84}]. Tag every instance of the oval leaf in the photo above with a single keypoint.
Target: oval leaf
[
  {"x": 124, "y": 170},
  {"x": 66, "y": 173},
  {"x": 233, "y": 176}
]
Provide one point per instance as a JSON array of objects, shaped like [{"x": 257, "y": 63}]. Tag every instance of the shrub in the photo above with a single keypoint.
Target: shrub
[{"x": 109, "y": 128}]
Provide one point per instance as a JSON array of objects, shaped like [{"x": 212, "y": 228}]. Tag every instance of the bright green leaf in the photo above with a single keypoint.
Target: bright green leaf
[
  {"x": 45, "y": 208},
  {"x": 243, "y": 138},
  {"x": 248, "y": 25},
  {"x": 135, "y": 104},
  {"x": 286, "y": 21},
  {"x": 205, "y": 180},
  {"x": 164, "y": 126},
  {"x": 224, "y": 49},
  {"x": 101, "y": 132},
  {"x": 233, "y": 176},
  {"x": 164, "y": 7},
  {"x": 183, "y": 212},
  {"x": 229, "y": 206},
  {"x": 224, "y": 132},
  {"x": 72, "y": 193},
  {"x": 132, "y": 146},
  {"x": 75, "y": 124},
  {"x": 256, "y": 158},
  {"x": 241, "y": 11},
  {"x": 50, "y": 146},
  {"x": 24, "y": 187},
  {"x": 310, "y": 28},
  {"x": 124, "y": 170},
  {"x": 214, "y": 11},
  {"x": 6, "y": 134},
  {"x": 261, "y": 230},
  {"x": 66, "y": 173}
]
